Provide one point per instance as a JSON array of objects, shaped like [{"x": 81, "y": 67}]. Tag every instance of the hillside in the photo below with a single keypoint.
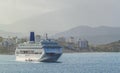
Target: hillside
[
  {"x": 111, "y": 47},
  {"x": 11, "y": 34},
  {"x": 95, "y": 35}
]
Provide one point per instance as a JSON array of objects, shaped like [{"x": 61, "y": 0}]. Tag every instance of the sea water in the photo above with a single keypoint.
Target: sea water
[{"x": 68, "y": 63}]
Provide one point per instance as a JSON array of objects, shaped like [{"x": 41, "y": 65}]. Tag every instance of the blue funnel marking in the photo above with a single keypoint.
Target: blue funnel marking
[{"x": 32, "y": 36}]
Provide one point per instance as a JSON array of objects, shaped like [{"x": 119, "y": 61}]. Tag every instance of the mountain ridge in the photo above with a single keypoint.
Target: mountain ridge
[{"x": 95, "y": 35}]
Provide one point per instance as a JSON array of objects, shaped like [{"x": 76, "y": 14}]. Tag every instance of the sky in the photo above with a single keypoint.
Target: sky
[{"x": 52, "y": 16}]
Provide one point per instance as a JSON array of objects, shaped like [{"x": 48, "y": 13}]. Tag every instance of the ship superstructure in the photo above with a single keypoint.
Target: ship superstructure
[{"x": 47, "y": 50}]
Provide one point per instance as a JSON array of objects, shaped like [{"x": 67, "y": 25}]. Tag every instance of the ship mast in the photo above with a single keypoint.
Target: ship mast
[{"x": 46, "y": 35}]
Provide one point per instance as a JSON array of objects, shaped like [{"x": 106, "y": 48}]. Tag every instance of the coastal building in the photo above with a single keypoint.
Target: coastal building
[
  {"x": 70, "y": 45},
  {"x": 18, "y": 40},
  {"x": 61, "y": 39},
  {"x": 83, "y": 43},
  {"x": 8, "y": 42},
  {"x": 71, "y": 40},
  {"x": 5, "y": 43}
]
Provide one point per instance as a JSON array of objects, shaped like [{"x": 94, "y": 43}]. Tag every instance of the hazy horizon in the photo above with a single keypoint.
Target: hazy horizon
[{"x": 53, "y": 16}]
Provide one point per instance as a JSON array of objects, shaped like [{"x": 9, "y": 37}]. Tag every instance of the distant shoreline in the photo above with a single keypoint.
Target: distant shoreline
[{"x": 73, "y": 53}]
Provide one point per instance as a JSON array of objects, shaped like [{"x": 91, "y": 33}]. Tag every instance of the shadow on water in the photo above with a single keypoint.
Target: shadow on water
[
  {"x": 53, "y": 62},
  {"x": 36, "y": 62}
]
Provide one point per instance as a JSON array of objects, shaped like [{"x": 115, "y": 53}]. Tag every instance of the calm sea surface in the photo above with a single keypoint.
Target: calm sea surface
[{"x": 68, "y": 63}]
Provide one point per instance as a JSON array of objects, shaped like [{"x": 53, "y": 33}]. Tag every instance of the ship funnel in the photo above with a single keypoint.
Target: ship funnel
[{"x": 32, "y": 37}]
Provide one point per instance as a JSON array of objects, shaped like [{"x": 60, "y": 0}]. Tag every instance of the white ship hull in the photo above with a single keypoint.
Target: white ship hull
[
  {"x": 30, "y": 57},
  {"x": 41, "y": 55},
  {"x": 51, "y": 57}
]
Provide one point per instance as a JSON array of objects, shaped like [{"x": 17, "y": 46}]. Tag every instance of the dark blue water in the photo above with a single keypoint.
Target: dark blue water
[{"x": 68, "y": 63}]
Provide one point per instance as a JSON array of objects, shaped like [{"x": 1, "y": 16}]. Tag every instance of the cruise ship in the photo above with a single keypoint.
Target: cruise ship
[{"x": 46, "y": 50}]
